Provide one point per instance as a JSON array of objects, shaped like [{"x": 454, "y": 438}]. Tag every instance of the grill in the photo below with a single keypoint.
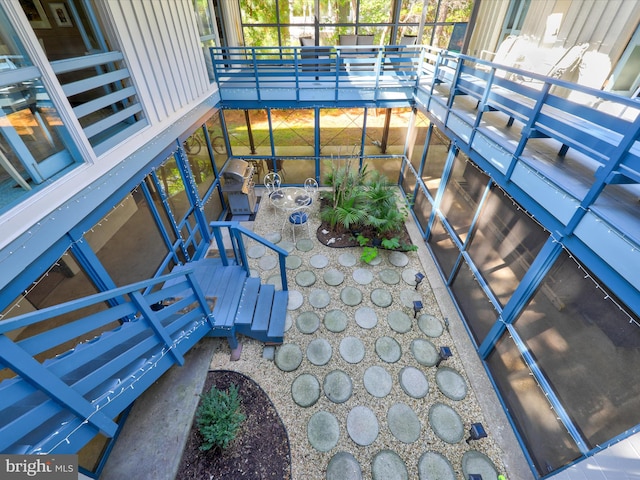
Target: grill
[{"x": 239, "y": 186}]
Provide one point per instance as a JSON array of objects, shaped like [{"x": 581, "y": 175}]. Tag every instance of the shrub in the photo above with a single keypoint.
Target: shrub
[{"x": 218, "y": 417}]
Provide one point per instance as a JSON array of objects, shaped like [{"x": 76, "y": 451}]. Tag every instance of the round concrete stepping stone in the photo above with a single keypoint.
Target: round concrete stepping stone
[
  {"x": 288, "y": 322},
  {"x": 305, "y": 278},
  {"x": 407, "y": 297},
  {"x": 409, "y": 276},
  {"x": 404, "y": 423},
  {"x": 381, "y": 298},
  {"x": 366, "y": 317},
  {"x": 273, "y": 237},
  {"x": 362, "y": 425},
  {"x": 388, "y": 349},
  {"x": 256, "y": 251},
  {"x": 344, "y": 466},
  {"x": 287, "y": 246},
  {"x": 338, "y": 386},
  {"x": 308, "y": 322},
  {"x": 377, "y": 381},
  {"x": 430, "y": 325},
  {"x": 319, "y": 298},
  {"x": 254, "y": 273},
  {"x": 399, "y": 321},
  {"x": 335, "y": 321},
  {"x": 446, "y": 423},
  {"x": 319, "y": 351},
  {"x": 351, "y": 296},
  {"x": 333, "y": 277},
  {"x": 352, "y": 349},
  {"x": 390, "y": 277},
  {"x": 347, "y": 259},
  {"x": 451, "y": 383},
  {"x": 323, "y": 431},
  {"x": 319, "y": 261},
  {"x": 362, "y": 276},
  {"x": 288, "y": 357},
  {"x": 275, "y": 280},
  {"x": 295, "y": 300},
  {"x": 304, "y": 244},
  {"x": 387, "y": 465},
  {"x": 424, "y": 352},
  {"x": 268, "y": 262},
  {"x": 413, "y": 382},
  {"x": 292, "y": 262},
  {"x": 305, "y": 390},
  {"x": 435, "y": 465},
  {"x": 478, "y": 463},
  {"x": 376, "y": 261},
  {"x": 398, "y": 259}
]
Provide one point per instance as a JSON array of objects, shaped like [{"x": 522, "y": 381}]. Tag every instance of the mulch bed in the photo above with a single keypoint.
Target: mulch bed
[{"x": 261, "y": 449}]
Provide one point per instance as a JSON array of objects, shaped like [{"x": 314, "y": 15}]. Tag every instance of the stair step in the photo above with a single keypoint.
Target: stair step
[
  {"x": 229, "y": 308},
  {"x": 247, "y": 306},
  {"x": 263, "y": 309},
  {"x": 275, "y": 333}
]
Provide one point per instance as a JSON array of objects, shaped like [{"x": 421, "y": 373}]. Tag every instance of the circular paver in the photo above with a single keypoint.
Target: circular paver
[
  {"x": 399, "y": 321},
  {"x": 273, "y": 237},
  {"x": 446, "y": 423},
  {"x": 381, "y": 297},
  {"x": 304, "y": 245},
  {"x": 451, "y": 383},
  {"x": 388, "y": 349},
  {"x": 387, "y": 465},
  {"x": 338, "y": 386},
  {"x": 256, "y": 251},
  {"x": 403, "y": 423},
  {"x": 407, "y": 297},
  {"x": 319, "y": 351},
  {"x": 308, "y": 322},
  {"x": 305, "y": 390},
  {"x": 275, "y": 280},
  {"x": 347, "y": 260},
  {"x": 336, "y": 321},
  {"x": 295, "y": 300},
  {"x": 366, "y": 317},
  {"x": 288, "y": 357},
  {"x": 362, "y": 425},
  {"x": 287, "y": 246},
  {"x": 430, "y": 325},
  {"x": 319, "y": 298},
  {"x": 413, "y": 382},
  {"x": 377, "y": 381},
  {"x": 362, "y": 276},
  {"x": 323, "y": 431},
  {"x": 268, "y": 262},
  {"x": 478, "y": 463},
  {"x": 288, "y": 322},
  {"x": 435, "y": 465},
  {"x": 319, "y": 261},
  {"x": 398, "y": 259},
  {"x": 292, "y": 262},
  {"x": 390, "y": 277},
  {"x": 305, "y": 278},
  {"x": 344, "y": 466},
  {"x": 352, "y": 349},
  {"x": 351, "y": 296},
  {"x": 409, "y": 276},
  {"x": 376, "y": 261},
  {"x": 424, "y": 352},
  {"x": 333, "y": 277}
]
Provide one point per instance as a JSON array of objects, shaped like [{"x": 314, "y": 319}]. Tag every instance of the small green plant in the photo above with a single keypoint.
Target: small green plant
[
  {"x": 218, "y": 417},
  {"x": 362, "y": 240},
  {"x": 368, "y": 254},
  {"x": 391, "y": 243}
]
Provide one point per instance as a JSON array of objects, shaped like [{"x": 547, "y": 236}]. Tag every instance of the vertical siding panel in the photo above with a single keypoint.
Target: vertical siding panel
[{"x": 185, "y": 77}]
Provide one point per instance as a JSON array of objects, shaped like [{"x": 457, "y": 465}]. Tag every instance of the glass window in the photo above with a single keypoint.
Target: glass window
[
  {"x": 173, "y": 187},
  {"x": 437, "y": 153},
  {"x": 246, "y": 142},
  {"x": 415, "y": 148},
  {"x": 341, "y": 131},
  {"x": 545, "y": 437},
  {"x": 587, "y": 346},
  {"x": 504, "y": 244},
  {"x": 370, "y": 12},
  {"x": 293, "y": 132},
  {"x": 443, "y": 247}
]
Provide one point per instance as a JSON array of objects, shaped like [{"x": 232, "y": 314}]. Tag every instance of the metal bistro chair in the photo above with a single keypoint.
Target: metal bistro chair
[
  {"x": 311, "y": 187},
  {"x": 272, "y": 184},
  {"x": 298, "y": 218}
]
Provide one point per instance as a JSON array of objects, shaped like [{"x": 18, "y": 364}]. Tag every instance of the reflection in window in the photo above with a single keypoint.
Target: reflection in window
[
  {"x": 437, "y": 152},
  {"x": 243, "y": 141},
  {"x": 173, "y": 187},
  {"x": 341, "y": 130},
  {"x": 419, "y": 137},
  {"x": 293, "y": 132},
  {"x": 443, "y": 247}
]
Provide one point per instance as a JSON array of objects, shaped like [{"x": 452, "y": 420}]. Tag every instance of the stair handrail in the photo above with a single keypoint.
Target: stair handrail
[{"x": 236, "y": 231}]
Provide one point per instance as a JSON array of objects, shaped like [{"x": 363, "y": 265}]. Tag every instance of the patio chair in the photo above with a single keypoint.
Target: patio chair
[
  {"x": 311, "y": 187},
  {"x": 298, "y": 218},
  {"x": 272, "y": 184}
]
